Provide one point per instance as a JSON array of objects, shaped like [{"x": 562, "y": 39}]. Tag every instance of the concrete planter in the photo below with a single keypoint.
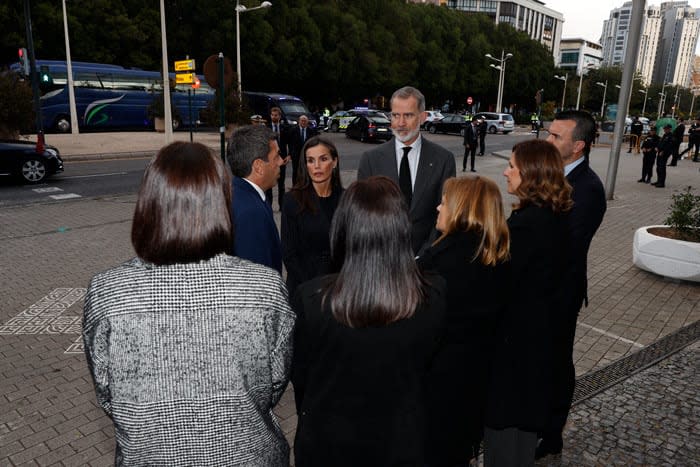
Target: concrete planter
[{"x": 676, "y": 259}]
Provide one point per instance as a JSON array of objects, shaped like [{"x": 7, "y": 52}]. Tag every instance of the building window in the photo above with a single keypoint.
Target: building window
[{"x": 569, "y": 57}]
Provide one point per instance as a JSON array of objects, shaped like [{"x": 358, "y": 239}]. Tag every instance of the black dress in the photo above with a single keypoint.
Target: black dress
[
  {"x": 520, "y": 383},
  {"x": 363, "y": 388},
  {"x": 456, "y": 391},
  {"x": 305, "y": 238}
]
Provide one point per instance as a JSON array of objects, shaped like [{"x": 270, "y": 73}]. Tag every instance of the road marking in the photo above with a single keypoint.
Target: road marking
[
  {"x": 65, "y": 196},
  {"x": 49, "y": 189},
  {"x": 45, "y": 317},
  {"x": 94, "y": 175},
  {"x": 609, "y": 334}
]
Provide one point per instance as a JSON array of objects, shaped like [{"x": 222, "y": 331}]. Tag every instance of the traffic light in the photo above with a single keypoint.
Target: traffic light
[
  {"x": 45, "y": 78},
  {"x": 24, "y": 61}
]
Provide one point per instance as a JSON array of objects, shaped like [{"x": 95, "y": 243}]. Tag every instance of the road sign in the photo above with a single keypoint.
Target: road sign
[
  {"x": 184, "y": 78},
  {"x": 469, "y": 100},
  {"x": 184, "y": 65}
]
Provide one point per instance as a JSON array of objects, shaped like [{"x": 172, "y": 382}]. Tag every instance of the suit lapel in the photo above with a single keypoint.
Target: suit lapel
[
  {"x": 423, "y": 174},
  {"x": 389, "y": 162}
]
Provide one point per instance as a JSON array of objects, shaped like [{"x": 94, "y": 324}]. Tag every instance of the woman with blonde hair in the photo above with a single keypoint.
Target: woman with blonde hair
[
  {"x": 472, "y": 256},
  {"x": 520, "y": 381}
]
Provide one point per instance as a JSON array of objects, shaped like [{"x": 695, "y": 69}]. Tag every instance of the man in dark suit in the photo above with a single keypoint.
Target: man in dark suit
[
  {"x": 254, "y": 157},
  {"x": 678, "y": 134},
  {"x": 281, "y": 131},
  {"x": 482, "y": 135},
  {"x": 572, "y": 132},
  {"x": 663, "y": 152},
  {"x": 297, "y": 137},
  {"x": 471, "y": 141},
  {"x": 418, "y": 166}
]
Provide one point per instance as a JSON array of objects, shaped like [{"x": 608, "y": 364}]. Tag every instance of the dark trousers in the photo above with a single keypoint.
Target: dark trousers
[
  {"x": 510, "y": 447},
  {"x": 280, "y": 188},
  {"x": 691, "y": 145},
  {"x": 661, "y": 169},
  {"x": 648, "y": 165},
  {"x": 634, "y": 141},
  {"x": 482, "y": 144},
  {"x": 469, "y": 153},
  {"x": 564, "y": 373},
  {"x": 676, "y": 155}
]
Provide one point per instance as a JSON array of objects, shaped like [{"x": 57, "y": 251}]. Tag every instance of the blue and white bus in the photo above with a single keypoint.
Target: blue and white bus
[{"x": 113, "y": 97}]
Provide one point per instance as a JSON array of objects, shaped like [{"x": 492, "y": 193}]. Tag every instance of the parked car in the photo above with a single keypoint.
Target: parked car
[
  {"x": 432, "y": 116},
  {"x": 369, "y": 128},
  {"x": 497, "y": 122},
  {"x": 450, "y": 123},
  {"x": 340, "y": 120},
  {"x": 20, "y": 159},
  {"x": 292, "y": 107}
]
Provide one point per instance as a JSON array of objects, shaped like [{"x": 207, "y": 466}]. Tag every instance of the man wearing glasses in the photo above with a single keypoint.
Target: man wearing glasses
[{"x": 417, "y": 165}]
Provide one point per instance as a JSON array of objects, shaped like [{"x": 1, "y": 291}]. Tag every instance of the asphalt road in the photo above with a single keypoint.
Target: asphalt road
[{"x": 106, "y": 178}]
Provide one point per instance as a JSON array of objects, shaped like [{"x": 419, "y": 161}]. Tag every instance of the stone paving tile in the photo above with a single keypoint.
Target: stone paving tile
[
  {"x": 651, "y": 418},
  {"x": 61, "y": 245}
]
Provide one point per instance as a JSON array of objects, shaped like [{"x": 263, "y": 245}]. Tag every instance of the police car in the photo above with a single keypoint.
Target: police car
[{"x": 340, "y": 120}]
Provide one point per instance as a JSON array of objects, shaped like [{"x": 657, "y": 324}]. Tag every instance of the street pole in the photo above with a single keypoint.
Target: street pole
[
  {"x": 69, "y": 72},
  {"x": 644, "y": 106},
  {"x": 605, "y": 91},
  {"x": 166, "y": 77},
  {"x": 578, "y": 97},
  {"x": 238, "y": 51},
  {"x": 631, "y": 51},
  {"x": 500, "y": 82},
  {"x": 563, "y": 95},
  {"x": 33, "y": 73}
]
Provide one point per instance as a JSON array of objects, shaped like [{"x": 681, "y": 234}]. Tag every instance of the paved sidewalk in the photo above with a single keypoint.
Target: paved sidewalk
[{"x": 49, "y": 252}]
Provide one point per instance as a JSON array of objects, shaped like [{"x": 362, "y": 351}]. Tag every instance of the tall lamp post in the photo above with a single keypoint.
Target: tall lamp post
[
  {"x": 501, "y": 67},
  {"x": 69, "y": 72},
  {"x": 662, "y": 100},
  {"x": 605, "y": 91},
  {"x": 580, "y": 83},
  {"x": 563, "y": 95},
  {"x": 242, "y": 9},
  {"x": 644, "y": 106}
]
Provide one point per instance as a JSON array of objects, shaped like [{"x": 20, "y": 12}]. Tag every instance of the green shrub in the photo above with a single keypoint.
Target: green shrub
[
  {"x": 16, "y": 111},
  {"x": 684, "y": 216}
]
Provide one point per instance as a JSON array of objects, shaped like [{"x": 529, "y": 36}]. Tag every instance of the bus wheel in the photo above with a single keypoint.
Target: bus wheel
[
  {"x": 176, "y": 123},
  {"x": 62, "y": 124}
]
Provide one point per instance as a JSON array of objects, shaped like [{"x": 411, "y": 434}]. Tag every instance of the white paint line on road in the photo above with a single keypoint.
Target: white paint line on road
[
  {"x": 609, "y": 334},
  {"x": 94, "y": 175},
  {"x": 49, "y": 189},
  {"x": 65, "y": 196}
]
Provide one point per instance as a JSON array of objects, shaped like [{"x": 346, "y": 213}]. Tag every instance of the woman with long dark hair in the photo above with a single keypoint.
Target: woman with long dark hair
[
  {"x": 471, "y": 254},
  {"x": 365, "y": 338},
  {"x": 520, "y": 382},
  {"x": 308, "y": 211},
  {"x": 189, "y": 348}
]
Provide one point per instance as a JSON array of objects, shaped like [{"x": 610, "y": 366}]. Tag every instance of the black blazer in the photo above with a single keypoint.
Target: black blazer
[
  {"x": 436, "y": 165},
  {"x": 283, "y": 138},
  {"x": 470, "y": 136},
  {"x": 306, "y": 248},
  {"x": 521, "y": 371},
  {"x": 295, "y": 142},
  {"x": 362, "y": 401},
  {"x": 584, "y": 219},
  {"x": 456, "y": 392}
]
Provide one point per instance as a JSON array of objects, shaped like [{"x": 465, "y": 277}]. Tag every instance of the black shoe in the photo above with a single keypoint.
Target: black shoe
[
  {"x": 464, "y": 169},
  {"x": 629, "y": 151},
  {"x": 641, "y": 180},
  {"x": 671, "y": 165},
  {"x": 473, "y": 170},
  {"x": 546, "y": 448},
  {"x": 659, "y": 186}
]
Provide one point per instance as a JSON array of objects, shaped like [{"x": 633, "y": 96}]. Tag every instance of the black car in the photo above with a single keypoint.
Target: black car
[
  {"x": 20, "y": 159},
  {"x": 449, "y": 124},
  {"x": 369, "y": 128}
]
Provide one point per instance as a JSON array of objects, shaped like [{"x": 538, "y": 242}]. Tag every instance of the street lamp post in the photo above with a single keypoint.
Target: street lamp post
[
  {"x": 580, "y": 83},
  {"x": 662, "y": 100},
  {"x": 501, "y": 67},
  {"x": 605, "y": 91},
  {"x": 242, "y": 9},
  {"x": 675, "y": 103},
  {"x": 563, "y": 95},
  {"x": 644, "y": 106},
  {"x": 69, "y": 73}
]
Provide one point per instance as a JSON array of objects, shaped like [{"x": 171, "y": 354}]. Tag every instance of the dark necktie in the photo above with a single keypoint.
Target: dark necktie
[
  {"x": 405, "y": 177},
  {"x": 303, "y": 135}
]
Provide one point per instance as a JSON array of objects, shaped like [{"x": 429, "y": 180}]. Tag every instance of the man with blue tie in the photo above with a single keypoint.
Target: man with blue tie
[
  {"x": 254, "y": 157},
  {"x": 281, "y": 131}
]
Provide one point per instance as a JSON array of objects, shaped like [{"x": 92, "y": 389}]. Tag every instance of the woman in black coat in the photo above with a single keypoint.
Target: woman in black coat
[
  {"x": 518, "y": 396},
  {"x": 471, "y": 255},
  {"x": 365, "y": 337},
  {"x": 307, "y": 213}
]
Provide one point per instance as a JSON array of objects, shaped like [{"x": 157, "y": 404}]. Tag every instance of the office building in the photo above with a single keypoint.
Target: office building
[
  {"x": 666, "y": 46},
  {"x": 578, "y": 54},
  {"x": 531, "y": 16}
]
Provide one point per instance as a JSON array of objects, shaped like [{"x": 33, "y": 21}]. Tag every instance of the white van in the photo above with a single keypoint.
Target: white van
[{"x": 496, "y": 122}]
